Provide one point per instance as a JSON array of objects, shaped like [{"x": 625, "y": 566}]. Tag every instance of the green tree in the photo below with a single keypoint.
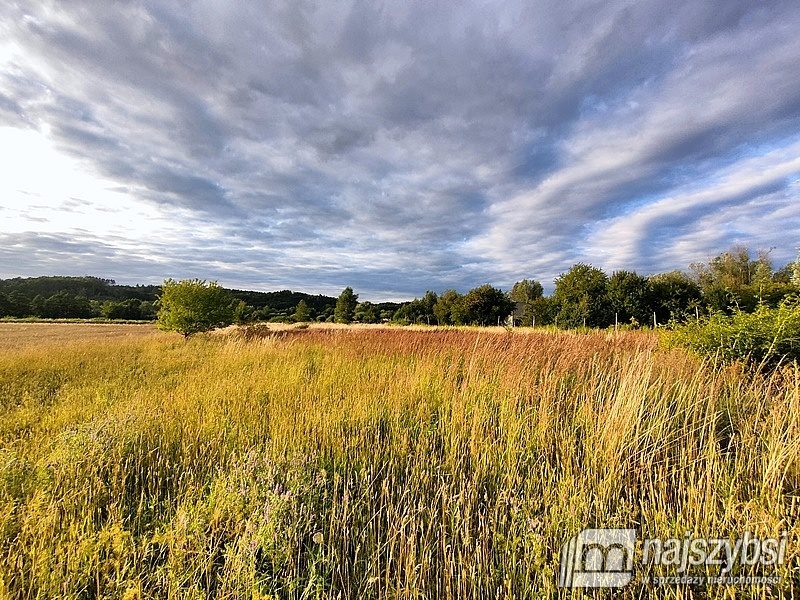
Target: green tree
[
  {"x": 485, "y": 305},
  {"x": 5, "y": 306},
  {"x": 20, "y": 306},
  {"x": 346, "y": 306},
  {"x": 264, "y": 313},
  {"x": 542, "y": 311},
  {"x": 730, "y": 270},
  {"x": 526, "y": 292},
  {"x": 582, "y": 297},
  {"x": 302, "y": 314},
  {"x": 37, "y": 308},
  {"x": 148, "y": 310},
  {"x": 124, "y": 309},
  {"x": 243, "y": 313},
  {"x": 674, "y": 296},
  {"x": 419, "y": 310},
  {"x": 429, "y": 301},
  {"x": 366, "y": 312},
  {"x": 446, "y": 310},
  {"x": 766, "y": 287},
  {"x": 629, "y": 297},
  {"x": 63, "y": 305},
  {"x": 193, "y": 306},
  {"x": 733, "y": 280}
]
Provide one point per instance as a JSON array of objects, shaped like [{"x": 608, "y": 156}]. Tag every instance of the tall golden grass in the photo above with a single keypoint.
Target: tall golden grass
[{"x": 376, "y": 463}]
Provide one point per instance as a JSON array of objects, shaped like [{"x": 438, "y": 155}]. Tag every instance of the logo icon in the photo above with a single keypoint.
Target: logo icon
[{"x": 598, "y": 558}]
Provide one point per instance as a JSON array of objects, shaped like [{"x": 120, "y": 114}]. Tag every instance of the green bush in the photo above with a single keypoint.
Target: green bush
[{"x": 765, "y": 337}]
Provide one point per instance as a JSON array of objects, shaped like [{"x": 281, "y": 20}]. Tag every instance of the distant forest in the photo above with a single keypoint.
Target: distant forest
[
  {"x": 583, "y": 296},
  {"x": 94, "y": 297}
]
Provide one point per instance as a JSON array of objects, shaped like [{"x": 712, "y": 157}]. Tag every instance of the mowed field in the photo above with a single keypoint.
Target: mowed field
[
  {"x": 18, "y": 336},
  {"x": 372, "y": 462}
]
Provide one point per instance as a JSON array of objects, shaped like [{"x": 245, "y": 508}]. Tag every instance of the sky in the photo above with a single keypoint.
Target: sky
[{"x": 394, "y": 147}]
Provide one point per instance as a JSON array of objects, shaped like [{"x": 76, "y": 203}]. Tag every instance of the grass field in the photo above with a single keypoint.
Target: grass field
[
  {"x": 16, "y": 336},
  {"x": 372, "y": 463}
]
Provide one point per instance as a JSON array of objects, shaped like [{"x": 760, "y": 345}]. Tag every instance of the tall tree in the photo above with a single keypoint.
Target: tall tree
[
  {"x": 419, "y": 310},
  {"x": 542, "y": 311},
  {"x": 37, "y": 308},
  {"x": 65, "y": 305},
  {"x": 628, "y": 296},
  {"x": 302, "y": 313},
  {"x": 194, "y": 306},
  {"x": 366, "y": 312},
  {"x": 485, "y": 305},
  {"x": 527, "y": 292},
  {"x": 726, "y": 280},
  {"x": 122, "y": 309},
  {"x": 6, "y": 309},
  {"x": 582, "y": 297},
  {"x": 19, "y": 305},
  {"x": 446, "y": 310},
  {"x": 346, "y": 306},
  {"x": 243, "y": 313},
  {"x": 429, "y": 301},
  {"x": 674, "y": 296}
]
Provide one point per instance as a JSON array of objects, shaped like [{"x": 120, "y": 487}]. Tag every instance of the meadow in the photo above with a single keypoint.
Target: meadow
[{"x": 373, "y": 463}]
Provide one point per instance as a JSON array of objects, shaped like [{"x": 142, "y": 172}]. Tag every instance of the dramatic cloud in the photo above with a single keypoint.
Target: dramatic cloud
[{"x": 394, "y": 147}]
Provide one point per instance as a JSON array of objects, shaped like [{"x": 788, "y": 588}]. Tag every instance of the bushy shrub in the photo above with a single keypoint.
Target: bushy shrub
[
  {"x": 194, "y": 306},
  {"x": 764, "y": 337},
  {"x": 252, "y": 331}
]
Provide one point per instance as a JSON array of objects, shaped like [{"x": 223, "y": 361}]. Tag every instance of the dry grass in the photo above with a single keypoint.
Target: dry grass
[
  {"x": 374, "y": 463},
  {"x": 15, "y": 336}
]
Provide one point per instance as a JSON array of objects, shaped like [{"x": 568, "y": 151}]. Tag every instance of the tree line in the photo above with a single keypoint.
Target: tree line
[
  {"x": 583, "y": 296},
  {"x": 76, "y": 298},
  {"x": 586, "y": 296},
  {"x": 94, "y": 297}
]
